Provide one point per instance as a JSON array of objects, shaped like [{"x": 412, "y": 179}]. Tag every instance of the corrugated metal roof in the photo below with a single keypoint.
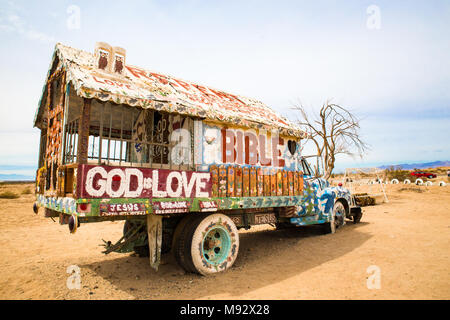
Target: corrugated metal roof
[{"x": 147, "y": 89}]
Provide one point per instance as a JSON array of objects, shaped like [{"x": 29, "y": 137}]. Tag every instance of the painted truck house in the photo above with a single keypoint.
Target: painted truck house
[{"x": 184, "y": 164}]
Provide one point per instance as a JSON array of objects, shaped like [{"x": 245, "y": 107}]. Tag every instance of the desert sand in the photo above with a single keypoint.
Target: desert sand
[{"x": 407, "y": 238}]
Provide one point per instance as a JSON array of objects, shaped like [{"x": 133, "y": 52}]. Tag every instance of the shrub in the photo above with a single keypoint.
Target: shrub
[
  {"x": 26, "y": 191},
  {"x": 399, "y": 174},
  {"x": 8, "y": 195}
]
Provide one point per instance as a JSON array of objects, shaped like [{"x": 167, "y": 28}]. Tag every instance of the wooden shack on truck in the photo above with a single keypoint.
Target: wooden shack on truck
[{"x": 184, "y": 164}]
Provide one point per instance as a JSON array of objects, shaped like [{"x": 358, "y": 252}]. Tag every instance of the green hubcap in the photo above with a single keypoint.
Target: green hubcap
[{"x": 216, "y": 245}]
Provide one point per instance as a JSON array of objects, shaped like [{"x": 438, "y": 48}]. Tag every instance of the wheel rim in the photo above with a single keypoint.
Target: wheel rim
[
  {"x": 339, "y": 216},
  {"x": 215, "y": 245}
]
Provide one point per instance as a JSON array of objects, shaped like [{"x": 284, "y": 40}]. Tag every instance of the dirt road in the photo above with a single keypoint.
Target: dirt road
[{"x": 407, "y": 238}]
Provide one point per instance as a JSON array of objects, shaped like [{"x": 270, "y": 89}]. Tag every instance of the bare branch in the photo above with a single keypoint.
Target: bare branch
[{"x": 334, "y": 130}]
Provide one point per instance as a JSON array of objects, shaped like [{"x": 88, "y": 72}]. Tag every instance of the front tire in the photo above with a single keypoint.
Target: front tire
[
  {"x": 337, "y": 218},
  {"x": 207, "y": 244}
]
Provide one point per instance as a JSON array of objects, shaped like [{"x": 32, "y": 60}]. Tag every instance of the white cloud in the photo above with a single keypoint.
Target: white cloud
[
  {"x": 12, "y": 22},
  {"x": 6, "y": 28},
  {"x": 36, "y": 35}
]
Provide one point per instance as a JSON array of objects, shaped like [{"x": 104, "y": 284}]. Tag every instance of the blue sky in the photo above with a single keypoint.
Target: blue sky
[{"x": 396, "y": 78}]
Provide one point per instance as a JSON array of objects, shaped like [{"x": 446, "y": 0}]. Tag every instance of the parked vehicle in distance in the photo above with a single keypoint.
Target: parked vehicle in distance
[{"x": 419, "y": 174}]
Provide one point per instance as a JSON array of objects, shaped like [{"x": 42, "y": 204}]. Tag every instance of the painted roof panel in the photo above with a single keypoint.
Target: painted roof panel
[{"x": 147, "y": 89}]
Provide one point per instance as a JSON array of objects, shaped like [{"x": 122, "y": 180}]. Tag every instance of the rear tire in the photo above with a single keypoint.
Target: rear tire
[
  {"x": 180, "y": 241},
  {"x": 207, "y": 244}
]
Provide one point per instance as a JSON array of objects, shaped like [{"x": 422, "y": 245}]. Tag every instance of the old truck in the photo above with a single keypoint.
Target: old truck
[{"x": 184, "y": 165}]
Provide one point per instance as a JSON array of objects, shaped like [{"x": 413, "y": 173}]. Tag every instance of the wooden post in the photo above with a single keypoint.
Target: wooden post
[
  {"x": 83, "y": 132},
  {"x": 154, "y": 230}
]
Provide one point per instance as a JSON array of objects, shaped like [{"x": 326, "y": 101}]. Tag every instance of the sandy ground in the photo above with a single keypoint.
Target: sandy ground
[{"x": 407, "y": 238}]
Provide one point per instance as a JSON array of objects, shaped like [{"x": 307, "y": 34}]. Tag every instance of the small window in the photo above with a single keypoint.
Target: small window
[{"x": 292, "y": 146}]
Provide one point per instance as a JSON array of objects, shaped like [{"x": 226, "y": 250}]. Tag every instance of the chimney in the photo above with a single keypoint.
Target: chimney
[
  {"x": 103, "y": 56},
  {"x": 110, "y": 59},
  {"x": 119, "y": 60}
]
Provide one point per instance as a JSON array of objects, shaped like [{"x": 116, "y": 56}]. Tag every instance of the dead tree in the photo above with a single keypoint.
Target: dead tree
[{"x": 334, "y": 131}]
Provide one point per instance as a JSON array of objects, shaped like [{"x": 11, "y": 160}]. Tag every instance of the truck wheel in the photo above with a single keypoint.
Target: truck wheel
[
  {"x": 207, "y": 244},
  {"x": 178, "y": 230},
  {"x": 337, "y": 218}
]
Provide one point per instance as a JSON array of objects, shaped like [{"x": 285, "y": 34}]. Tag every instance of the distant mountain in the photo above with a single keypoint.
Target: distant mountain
[
  {"x": 16, "y": 177},
  {"x": 412, "y": 166}
]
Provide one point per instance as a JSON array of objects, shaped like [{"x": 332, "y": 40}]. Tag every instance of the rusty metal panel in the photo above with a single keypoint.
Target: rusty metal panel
[
  {"x": 279, "y": 182},
  {"x": 296, "y": 192},
  {"x": 300, "y": 182},
  {"x": 238, "y": 182},
  {"x": 231, "y": 181},
  {"x": 154, "y": 230},
  {"x": 285, "y": 183},
  {"x": 291, "y": 183},
  {"x": 246, "y": 182},
  {"x": 267, "y": 185},
  {"x": 273, "y": 182},
  {"x": 222, "y": 181},
  {"x": 253, "y": 183},
  {"x": 260, "y": 182},
  {"x": 214, "y": 180}
]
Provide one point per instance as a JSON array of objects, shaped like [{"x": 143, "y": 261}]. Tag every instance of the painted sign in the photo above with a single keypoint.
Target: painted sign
[
  {"x": 119, "y": 209},
  {"x": 208, "y": 206},
  {"x": 245, "y": 147},
  {"x": 265, "y": 218},
  {"x": 222, "y": 145},
  {"x": 163, "y": 207},
  {"x": 124, "y": 182}
]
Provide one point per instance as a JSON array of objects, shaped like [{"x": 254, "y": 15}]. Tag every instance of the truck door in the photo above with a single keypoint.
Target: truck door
[
  {"x": 318, "y": 198},
  {"x": 312, "y": 190}
]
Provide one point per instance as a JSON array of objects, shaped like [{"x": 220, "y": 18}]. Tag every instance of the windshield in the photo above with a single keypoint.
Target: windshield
[{"x": 306, "y": 168}]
